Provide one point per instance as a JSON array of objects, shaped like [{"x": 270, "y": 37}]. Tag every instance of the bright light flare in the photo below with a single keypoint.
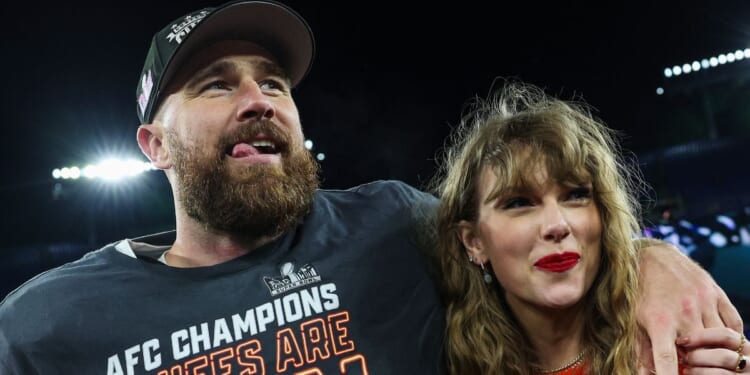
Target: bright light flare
[{"x": 108, "y": 170}]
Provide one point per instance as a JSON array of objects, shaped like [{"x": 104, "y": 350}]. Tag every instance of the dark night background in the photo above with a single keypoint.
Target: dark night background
[{"x": 388, "y": 81}]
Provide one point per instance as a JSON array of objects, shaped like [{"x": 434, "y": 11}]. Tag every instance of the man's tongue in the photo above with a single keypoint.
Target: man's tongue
[{"x": 243, "y": 149}]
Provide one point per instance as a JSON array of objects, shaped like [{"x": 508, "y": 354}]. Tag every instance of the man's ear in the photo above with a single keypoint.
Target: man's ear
[
  {"x": 467, "y": 233},
  {"x": 150, "y": 140}
]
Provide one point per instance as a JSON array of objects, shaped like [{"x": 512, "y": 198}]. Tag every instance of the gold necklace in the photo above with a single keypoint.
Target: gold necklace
[{"x": 577, "y": 360}]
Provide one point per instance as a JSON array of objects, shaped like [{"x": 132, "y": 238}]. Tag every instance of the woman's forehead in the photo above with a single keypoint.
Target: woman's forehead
[{"x": 532, "y": 171}]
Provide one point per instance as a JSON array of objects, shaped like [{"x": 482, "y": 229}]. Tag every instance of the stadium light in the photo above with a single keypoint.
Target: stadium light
[
  {"x": 112, "y": 169},
  {"x": 706, "y": 63}
]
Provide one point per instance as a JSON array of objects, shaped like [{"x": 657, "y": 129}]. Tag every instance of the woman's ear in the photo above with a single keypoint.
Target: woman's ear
[
  {"x": 467, "y": 233},
  {"x": 150, "y": 140}
]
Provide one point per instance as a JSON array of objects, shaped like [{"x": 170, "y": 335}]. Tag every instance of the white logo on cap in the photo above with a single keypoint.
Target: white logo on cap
[
  {"x": 182, "y": 29},
  {"x": 146, "y": 85}
]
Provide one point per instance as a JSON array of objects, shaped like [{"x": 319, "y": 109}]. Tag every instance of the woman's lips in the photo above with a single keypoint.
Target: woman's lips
[{"x": 558, "y": 262}]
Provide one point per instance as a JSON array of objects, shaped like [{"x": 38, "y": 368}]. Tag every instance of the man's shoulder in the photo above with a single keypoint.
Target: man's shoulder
[
  {"x": 381, "y": 190},
  {"x": 375, "y": 206},
  {"x": 57, "y": 282}
]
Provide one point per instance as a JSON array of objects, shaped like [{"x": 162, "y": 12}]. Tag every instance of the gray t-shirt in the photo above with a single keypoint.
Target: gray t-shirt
[{"x": 346, "y": 291}]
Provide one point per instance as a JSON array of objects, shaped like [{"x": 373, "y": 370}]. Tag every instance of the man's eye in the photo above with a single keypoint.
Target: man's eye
[
  {"x": 271, "y": 84},
  {"x": 216, "y": 85},
  {"x": 517, "y": 202}
]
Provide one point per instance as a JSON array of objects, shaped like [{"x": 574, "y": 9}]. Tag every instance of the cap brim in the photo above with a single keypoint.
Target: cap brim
[{"x": 275, "y": 27}]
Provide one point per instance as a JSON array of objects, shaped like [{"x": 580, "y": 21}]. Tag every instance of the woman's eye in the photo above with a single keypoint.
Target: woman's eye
[
  {"x": 580, "y": 193},
  {"x": 517, "y": 202}
]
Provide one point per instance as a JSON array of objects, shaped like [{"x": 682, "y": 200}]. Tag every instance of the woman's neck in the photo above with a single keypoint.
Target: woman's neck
[{"x": 555, "y": 334}]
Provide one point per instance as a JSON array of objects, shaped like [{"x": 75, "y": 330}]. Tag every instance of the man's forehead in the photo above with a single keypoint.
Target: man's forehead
[
  {"x": 236, "y": 64},
  {"x": 227, "y": 55}
]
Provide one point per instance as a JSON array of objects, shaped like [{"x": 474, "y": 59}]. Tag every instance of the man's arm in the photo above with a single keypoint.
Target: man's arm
[{"x": 676, "y": 297}]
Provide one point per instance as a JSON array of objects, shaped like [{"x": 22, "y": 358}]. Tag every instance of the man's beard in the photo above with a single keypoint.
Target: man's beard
[{"x": 254, "y": 201}]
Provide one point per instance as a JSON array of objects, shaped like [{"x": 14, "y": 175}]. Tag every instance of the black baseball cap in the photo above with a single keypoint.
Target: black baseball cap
[{"x": 274, "y": 26}]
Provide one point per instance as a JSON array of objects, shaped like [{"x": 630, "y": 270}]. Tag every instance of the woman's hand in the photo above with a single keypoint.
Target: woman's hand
[{"x": 714, "y": 351}]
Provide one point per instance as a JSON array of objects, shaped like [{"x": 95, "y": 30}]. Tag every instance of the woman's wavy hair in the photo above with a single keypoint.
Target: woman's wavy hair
[{"x": 483, "y": 336}]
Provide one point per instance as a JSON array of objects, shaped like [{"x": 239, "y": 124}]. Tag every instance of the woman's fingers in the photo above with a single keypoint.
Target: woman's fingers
[{"x": 715, "y": 349}]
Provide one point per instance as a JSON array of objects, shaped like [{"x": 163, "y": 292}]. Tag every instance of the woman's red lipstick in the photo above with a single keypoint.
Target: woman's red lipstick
[{"x": 558, "y": 262}]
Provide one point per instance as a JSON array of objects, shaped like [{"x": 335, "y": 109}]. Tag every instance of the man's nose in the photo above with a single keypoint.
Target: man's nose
[{"x": 254, "y": 104}]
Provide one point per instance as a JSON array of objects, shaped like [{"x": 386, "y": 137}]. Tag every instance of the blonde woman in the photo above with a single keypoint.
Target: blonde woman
[{"x": 536, "y": 245}]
